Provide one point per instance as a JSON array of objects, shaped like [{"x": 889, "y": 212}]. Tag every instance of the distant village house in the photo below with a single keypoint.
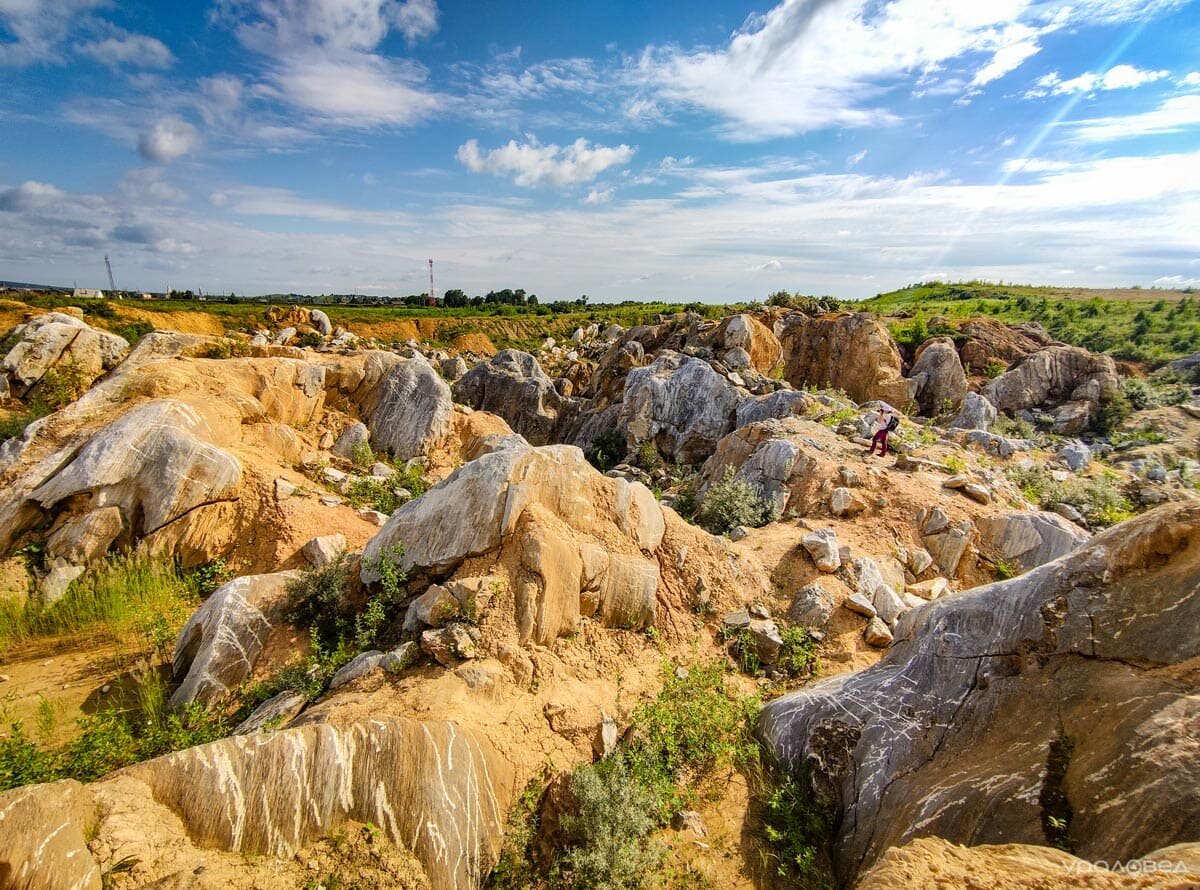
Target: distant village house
[{"x": 89, "y": 293}]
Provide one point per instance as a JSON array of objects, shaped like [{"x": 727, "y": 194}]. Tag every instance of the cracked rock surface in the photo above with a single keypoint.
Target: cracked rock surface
[{"x": 951, "y": 733}]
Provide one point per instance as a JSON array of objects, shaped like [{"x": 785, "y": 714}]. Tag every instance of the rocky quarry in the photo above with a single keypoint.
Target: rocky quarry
[{"x": 999, "y": 619}]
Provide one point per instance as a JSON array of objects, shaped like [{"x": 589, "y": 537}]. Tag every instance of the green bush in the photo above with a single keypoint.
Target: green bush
[
  {"x": 798, "y": 654},
  {"x": 361, "y": 454},
  {"x": 799, "y": 830},
  {"x": 13, "y": 423},
  {"x": 381, "y": 495},
  {"x": 647, "y": 458},
  {"x": 1013, "y": 427},
  {"x": 732, "y": 502},
  {"x": 62, "y": 385},
  {"x": 1143, "y": 393},
  {"x": 1113, "y": 410},
  {"x": 607, "y": 832},
  {"x": 607, "y": 450},
  {"x": 1096, "y": 497},
  {"x": 319, "y": 600}
]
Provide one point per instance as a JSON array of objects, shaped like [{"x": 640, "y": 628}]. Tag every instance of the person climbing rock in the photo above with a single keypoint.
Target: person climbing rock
[{"x": 886, "y": 421}]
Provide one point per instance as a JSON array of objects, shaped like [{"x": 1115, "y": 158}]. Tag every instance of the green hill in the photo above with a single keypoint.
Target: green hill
[{"x": 1138, "y": 325}]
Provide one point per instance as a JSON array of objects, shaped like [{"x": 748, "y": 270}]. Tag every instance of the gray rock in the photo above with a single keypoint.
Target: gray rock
[
  {"x": 681, "y": 404},
  {"x": 433, "y": 608},
  {"x": 275, "y": 713},
  {"x": 767, "y": 639},
  {"x": 1000, "y": 446},
  {"x": 977, "y": 492},
  {"x": 403, "y": 656},
  {"x": 219, "y": 645},
  {"x": 773, "y": 406},
  {"x": 513, "y": 385},
  {"x": 738, "y": 533},
  {"x": 1075, "y": 455},
  {"x": 976, "y": 413},
  {"x": 54, "y": 339},
  {"x": 940, "y": 383},
  {"x": 410, "y": 410},
  {"x": 860, "y": 604},
  {"x": 949, "y": 546},
  {"x": 736, "y": 620},
  {"x": 949, "y": 734},
  {"x": 888, "y": 605},
  {"x": 320, "y": 321},
  {"x": 811, "y": 607},
  {"x": 359, "y": 666},
  {"x": 1052, "y": 376},
  {"x": 353, "y": 437},
  {"x": 737, "y": 358},
  {"x": 822, "y": 546},
  {"x": 448, "y": 645},
  {"x": 454, "y": 368},
  {"x": 844, "y": 502},
  {"x": 919, "y": 560},
  {"x": 877, "y": 634},
  {"x": 1029, "y": 539},
  {"x": 323, "y": 550}
]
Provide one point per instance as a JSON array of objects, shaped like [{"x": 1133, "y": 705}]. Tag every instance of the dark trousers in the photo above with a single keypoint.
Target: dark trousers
[{"x": 880, "y": 439}]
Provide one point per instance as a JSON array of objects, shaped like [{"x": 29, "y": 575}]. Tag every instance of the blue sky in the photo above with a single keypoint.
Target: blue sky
[{"x": 683, "y": 150}]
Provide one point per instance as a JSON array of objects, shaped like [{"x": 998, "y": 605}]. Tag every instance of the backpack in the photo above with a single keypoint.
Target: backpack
[{"x": 893, "y": 424}]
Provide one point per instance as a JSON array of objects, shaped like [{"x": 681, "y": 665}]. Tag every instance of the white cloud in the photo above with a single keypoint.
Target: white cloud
[
  {"x": 768, "y": 266},
  {"x": 1035, "y": 165},
  {"x": 168, "y": 139},
  {"x": 124, "y": 49},
  {"x": 1119, "y": 77},
  {"x": 533, "y": 164},
  {"x": 855, "y": 159},
  {"x": 1176, "y": 281},
  {"x": 813, "y": 64},
  {"x": 277, "y": 27},
  {"x": 1174, "y": 115},
  {"x": 323, "y": 58},
  {"x": 248, "y": 200},
  {"x": 40, "y": 26},
  {"x": 1190, "y": 80},
  {"x": 30, "y": 195},
  {"x": 597, "y": 196},
  {"x": 355, "y": 90}
]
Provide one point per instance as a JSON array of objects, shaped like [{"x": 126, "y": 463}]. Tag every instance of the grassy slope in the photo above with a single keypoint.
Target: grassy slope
[{"x": 1138, "y": 325}]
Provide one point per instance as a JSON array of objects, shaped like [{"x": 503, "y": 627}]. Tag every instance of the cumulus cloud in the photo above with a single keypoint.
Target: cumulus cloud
[
  {"x": 533, "y": 164},
  {"x": 1119, "y": 77},
  {"x": 812, "y": 64},
  {"x": 1191, "y": 79},
  {"x": 1178, "y": 282},
  {"x": 1175, "y": 114},
  {"x": 125, "y": 49},
  {"x": 768, "y": 266},
  {"x": 598, "y": 196},
  {"x": 168, "y": 139},
  {"x": 277, "y": 27},
  {"x": 30, "y": 195},
  {"x": 323, "y": 57}
]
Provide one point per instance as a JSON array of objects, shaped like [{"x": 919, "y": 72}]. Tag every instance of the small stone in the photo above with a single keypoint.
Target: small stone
[
  {"x": 689, "y": 820},
  {"x": 401, "y": 657},
  {"x": 767, "y": 639},
  {"x": 372, "y": 516},
  {"x": 738, "y": 533},
  {"x": 822, "y": 546},
  {"x": 1069, "y": 513},
  {"x": 844, "y": 502},
  {"x": 333, "y": 476},
  {"x": 448, "y": 644},
  {"x": 888, "y": 605},
  {"x": 103, "y": 689},
  {"x": 976, "y": 492},
  {"x": 919, "y": 560},
  {"x": 929, "y": 590},
  {"x": 877, "y": 634},
  {"x": 359, "y": 666},
  {"x": 284, "y": 489},
  {"x": 381, "y": 471},
  {"x": 811, "y": 607},
  {"x": 736, "y": 620},
  {"x": 758, "y": 610},
  {"x": 330, "y": 500},
  {"x": 323, "y": 550},
  {"x": 858, "y": 603},
  {"x": 607, "y": 738},
  {"x": 681, "y": 673},
  {"x": 849, "y": 477},
  {"x": 957, "y": 481},
  {"x": 433, "y": 608}
]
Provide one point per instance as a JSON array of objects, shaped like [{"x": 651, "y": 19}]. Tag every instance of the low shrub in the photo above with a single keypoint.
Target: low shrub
[
  {"x": 732, "y": 502},
  {"x": 1097, "y": 497},
  {"x": 607, "y": 450},
  {"x": 799, "y": 830}
]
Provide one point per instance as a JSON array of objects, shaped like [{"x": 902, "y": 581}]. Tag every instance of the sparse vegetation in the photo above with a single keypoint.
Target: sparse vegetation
[
  {"x": 387, "y": 495},
  {"x": 732, "y": 502},
  {"x": 1096, "y": 497},
  {"x": 799, "y": 829},
  {"x": 607, "y": 450}
]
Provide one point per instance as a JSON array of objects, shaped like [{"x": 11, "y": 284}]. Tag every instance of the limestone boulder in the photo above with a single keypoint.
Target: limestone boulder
[
  {"x": 86, "y": 538},
  {"x": 937, "y": 374},
  {"x": 57, "y": 339},
  {"x": 585, "y": 543},
  {"x": 156, "y": 463},
  {"x": 783, "y": 461},
  {"x": 320, "y": 322},
  {"x": 975, "y": 413},
  {"x": 1029, "y": 539},
  {"x": 513, "y": 385},
  {"x": 773, "y": 406},
  {"x": 681, "y": 404},
  {"x": 933, "y": 862},
  {"x": 219, "y": 645},
  {"x": 747, "y": 333},
  {"x": 1079, "y": 664},
  {"x": 853, "y": 352},
  {"x": 986, "y": 341},
  {"x": 44, "y": 835},
  {"x": 1052, "y": 377},
  {"x": 435, "y": 788},
  {"x": 410, "y": 410}
]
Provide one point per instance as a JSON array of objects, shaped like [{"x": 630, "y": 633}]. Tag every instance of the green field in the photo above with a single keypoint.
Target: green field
[{"x": 1150, "y": 326}]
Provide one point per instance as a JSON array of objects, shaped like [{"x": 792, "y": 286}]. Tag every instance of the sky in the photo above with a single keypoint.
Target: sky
[{"x": 681, "y": 149}]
